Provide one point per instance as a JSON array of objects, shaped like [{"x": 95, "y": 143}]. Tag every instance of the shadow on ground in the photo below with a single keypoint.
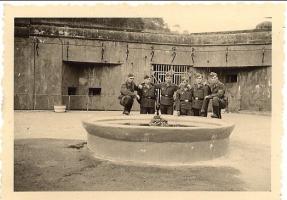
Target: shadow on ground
[{"x": 66, "y": 165}]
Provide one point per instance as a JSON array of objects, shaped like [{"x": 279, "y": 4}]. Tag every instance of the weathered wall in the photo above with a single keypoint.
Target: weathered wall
[
  {"x": 48, "y": 73},
  {"x": 256, "y": 89},
  {"x": 36, "y": 73},
  {"x": 64, "y": 56},
  {"x": 23, "y": 74}
]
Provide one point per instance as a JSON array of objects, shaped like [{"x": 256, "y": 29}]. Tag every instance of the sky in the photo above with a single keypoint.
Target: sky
[
  {"x": 202, "y": 17},
  {"x": 193, "y": 17},
  {"x": 208, "y": 19},
  {"x": 176, "y": 24}
]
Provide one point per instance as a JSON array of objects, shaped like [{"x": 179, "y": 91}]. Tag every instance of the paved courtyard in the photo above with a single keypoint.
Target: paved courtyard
[{"x": 43, "y": 160}]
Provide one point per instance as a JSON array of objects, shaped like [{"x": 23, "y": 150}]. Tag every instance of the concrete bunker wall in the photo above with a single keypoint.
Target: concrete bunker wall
[{"x": 46, "y": 65}]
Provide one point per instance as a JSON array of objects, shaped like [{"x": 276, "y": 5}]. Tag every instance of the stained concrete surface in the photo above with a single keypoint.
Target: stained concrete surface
[{"x": 44, "y": 162}]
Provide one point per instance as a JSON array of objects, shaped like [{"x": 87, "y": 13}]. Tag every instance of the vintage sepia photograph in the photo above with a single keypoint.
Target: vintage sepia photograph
[{"x": 143, "y": 102}]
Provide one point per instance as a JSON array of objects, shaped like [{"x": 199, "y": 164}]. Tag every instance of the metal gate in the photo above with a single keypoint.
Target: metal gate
[{"x": 178, "y": 71}]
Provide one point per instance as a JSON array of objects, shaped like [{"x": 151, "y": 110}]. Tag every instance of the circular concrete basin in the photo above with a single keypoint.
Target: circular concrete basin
[{"x": 130, "y": 139}]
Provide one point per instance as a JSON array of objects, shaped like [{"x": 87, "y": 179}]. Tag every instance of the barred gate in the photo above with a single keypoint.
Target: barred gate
[
  {"x": 159, "y": 71},
  {"x": 178, "y": 71}
]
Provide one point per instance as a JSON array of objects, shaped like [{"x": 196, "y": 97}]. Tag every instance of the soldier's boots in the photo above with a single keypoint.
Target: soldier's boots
[
  {"x": 203, "y": 114},
  {"x": 215, "y": 112},
  {"x": 214, "y": 115},
  {"x": 126, "y": 112}
]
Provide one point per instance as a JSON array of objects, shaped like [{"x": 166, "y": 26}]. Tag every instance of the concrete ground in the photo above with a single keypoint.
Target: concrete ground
[{"x": 44, "y": 161}]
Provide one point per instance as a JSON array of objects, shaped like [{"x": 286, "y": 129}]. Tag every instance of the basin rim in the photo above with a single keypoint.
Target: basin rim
[
  {"x": 108, "y": 122},
  {"x": 157, "y": 134}
]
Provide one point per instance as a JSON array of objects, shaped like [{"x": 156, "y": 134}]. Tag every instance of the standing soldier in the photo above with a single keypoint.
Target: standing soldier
[
  {"x": 127, "y": 94},
  {"x": 200, "y": 91},
  {"x": 147, "y": 95},
  {"x": 217, "y": 96},
  {"x": 168, "y": 90},
  {"x": 184, "y": 99}
]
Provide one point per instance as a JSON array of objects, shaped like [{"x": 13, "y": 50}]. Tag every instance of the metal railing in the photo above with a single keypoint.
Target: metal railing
[{"x": 26, "y": 101}]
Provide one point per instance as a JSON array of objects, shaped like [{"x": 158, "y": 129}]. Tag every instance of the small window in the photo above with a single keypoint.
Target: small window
[
  {"x": 94, "y": 91},
  {"x": 231, "y": 78},
  {"x": 72, "y": 90}
]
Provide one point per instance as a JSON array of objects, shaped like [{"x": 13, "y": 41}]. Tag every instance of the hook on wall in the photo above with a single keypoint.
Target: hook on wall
[
  {"x": 192, "y": 54},
  {"x": 152, "y": 53},
  {"x": 263, "y": 54},
  {"x": 37, "y": 48},
  {"x": 103, "y": 51},
  {"x": 127, "y": 52},
  {"x": 173, "y": 54},
  {"x": 36, "y": 44},
  {"x": 67, "y": 50},
  {"x": 226, "y": 55}
]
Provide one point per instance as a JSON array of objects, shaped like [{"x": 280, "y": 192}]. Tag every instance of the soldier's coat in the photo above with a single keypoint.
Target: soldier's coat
[
  {"x": 167, "y": 92},
  {"x": 217, "y": 88},
  {"x": 127, "y": 95},
  {"x": 128, "y": 88},
  {"x": 148, "y": 95},
  {"x": 199, "y": 92},
  {"x": 184, "y": 98}
]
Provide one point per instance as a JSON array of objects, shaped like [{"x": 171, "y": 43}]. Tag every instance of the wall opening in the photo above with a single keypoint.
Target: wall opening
[
  {"x": 95, "y": 91},
  {"x": 231, "y": 78},
  {"x": 72, "y": 91}
]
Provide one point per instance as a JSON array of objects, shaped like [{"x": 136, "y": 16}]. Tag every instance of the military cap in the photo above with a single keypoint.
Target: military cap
[
  {"x": 213, "y": 74},
  {"x": 168, "y": 74},
  {"x": 130, "y": 75},
  {"x": 198, "y": 75},
  {"x": 146, "y": 76}
]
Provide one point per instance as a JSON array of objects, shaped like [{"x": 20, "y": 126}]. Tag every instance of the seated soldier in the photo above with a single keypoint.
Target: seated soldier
[
  {"x": 127, "y": 94},
  {"x": 217, "y": 96},
  {"x": 199, "y": 91},
  {"x": 183, "y": 99},
  {"x": 147, "y": 95}
]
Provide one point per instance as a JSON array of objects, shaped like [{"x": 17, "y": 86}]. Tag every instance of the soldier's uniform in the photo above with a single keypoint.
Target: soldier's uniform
[
  {"x": 184, "y": 101},
  {"x": 147, "y": 98},
  {"x": 199, "y": 92},
  {"x": 166, "y": 99},
  {"x": 127, "y": 95},
  {"x": 219, "y": 101}
]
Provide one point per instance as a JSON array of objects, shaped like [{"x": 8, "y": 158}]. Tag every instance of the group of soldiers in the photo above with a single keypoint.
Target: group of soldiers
[{"x": 186, "y": 99}]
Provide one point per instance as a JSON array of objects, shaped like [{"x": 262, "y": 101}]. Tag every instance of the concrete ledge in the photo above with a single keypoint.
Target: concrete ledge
[
  {"x": 135, "y": 128},
  {"x": 245, "y": 37}
]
